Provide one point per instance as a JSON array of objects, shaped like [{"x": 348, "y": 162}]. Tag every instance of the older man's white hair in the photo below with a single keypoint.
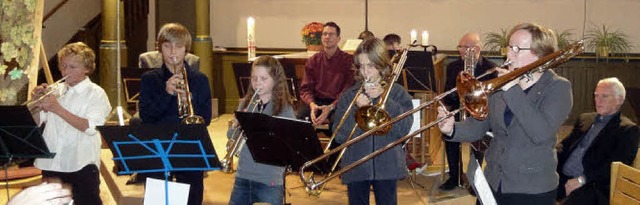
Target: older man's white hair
[{"x": 617, "y": 86}]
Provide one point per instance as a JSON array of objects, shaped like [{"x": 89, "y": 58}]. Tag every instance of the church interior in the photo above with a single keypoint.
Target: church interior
[{"x": 227, "y": 36}]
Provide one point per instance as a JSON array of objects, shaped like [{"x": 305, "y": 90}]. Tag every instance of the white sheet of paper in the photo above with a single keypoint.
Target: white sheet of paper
[
  {"x": 154, "y": 193},
  {"x": 481, "y": 185},
  {"x": 351, "y": 44},
  {"x": 416, "y": 118}
]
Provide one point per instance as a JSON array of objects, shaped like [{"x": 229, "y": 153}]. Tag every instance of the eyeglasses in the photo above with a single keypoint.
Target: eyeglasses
[
  {"x": 460, "y": 47},
  {"x": 517, "y": 49}
]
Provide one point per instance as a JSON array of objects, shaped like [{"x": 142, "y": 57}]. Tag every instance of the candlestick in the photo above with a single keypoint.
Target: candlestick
[
  {"x": 414, "y": 36},
  {"x": 251, "y": 40},
  {"x": 425, "y": 38}
]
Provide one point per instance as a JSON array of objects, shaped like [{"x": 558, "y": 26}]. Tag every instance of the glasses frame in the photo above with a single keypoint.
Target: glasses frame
[{"x": 517, "y": 49}]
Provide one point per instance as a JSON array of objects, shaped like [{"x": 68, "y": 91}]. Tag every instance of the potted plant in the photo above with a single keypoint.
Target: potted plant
[
  {"x": 564, "y": 38},
  {"x": 606, "y": 42},
  {"x": 312, "y": 36},
  {"x": 497, "y": 41}
]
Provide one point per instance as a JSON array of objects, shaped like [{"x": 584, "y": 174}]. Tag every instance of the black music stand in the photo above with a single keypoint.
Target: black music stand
[
  {"x": 418, "y": 73},
  {"x": 20, "y": 137},
  {"x": 131, "y": 78},
  {"x": 281, "y": 141},
  {"x": 161, "y": 148}
]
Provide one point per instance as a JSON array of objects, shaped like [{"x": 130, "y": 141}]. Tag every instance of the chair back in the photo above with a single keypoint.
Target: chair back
[{"x": 625, "y": 184}]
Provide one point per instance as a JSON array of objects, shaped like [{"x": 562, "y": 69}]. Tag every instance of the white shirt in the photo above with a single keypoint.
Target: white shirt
[{"x": 75, "y": 148}]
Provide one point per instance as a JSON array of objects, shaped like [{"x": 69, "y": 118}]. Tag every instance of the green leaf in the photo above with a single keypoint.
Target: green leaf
[{"x": 15, "y": 74}]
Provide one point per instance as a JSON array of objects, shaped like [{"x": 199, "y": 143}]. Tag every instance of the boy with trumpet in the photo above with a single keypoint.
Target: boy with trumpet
[
  {"x": 71, "y": 120},
  {"x": 159, "y": 88}
]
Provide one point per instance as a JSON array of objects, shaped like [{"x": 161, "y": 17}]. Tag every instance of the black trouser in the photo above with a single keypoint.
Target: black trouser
[
  {"x": 304, "y": 111},
  {"x": 546, "y": 198},
  {"x": 453, "y": 158},
  {"x": 193, "y": 178},
  {"x": 85, "y": 184}
]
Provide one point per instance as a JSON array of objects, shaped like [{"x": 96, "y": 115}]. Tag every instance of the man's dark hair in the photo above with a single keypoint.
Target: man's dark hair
[
  {"x": 391, "y": 38},
  {"x": 334, "y": 25}
]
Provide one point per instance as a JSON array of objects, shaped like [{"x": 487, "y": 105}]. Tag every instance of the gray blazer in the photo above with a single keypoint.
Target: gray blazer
[
  {"x": 153, "y": 59},
  {"x": 522, "y": 157}
]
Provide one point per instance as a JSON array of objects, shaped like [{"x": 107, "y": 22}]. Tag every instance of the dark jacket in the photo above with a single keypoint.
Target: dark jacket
[
  {"x": 157, "y": 106},
  {"x": 388, "y": 165},
  {"x": 617, "y": 141}
]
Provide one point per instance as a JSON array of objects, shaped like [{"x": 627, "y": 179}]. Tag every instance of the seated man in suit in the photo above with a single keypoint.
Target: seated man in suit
[
  {"x": 153, "y": 59},
  {"x": 597, "y": 139}
]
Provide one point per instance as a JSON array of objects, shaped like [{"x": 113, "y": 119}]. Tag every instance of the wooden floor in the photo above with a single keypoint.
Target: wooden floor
[{"x": 218, "y": 185}]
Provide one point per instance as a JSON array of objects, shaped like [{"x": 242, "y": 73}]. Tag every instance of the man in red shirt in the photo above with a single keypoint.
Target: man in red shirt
[{"x": 326, "y": 75}]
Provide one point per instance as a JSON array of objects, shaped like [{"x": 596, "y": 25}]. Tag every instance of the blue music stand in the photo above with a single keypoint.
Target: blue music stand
[{"x": 161, "y": 148}]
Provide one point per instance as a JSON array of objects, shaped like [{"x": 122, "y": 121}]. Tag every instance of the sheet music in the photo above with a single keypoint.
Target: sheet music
[
  {"x": 416, "y": 118},
  {"x": 480, "y": 184},
  {"x": 351, "y": 44},
  {"x": 154, "y": 192}
]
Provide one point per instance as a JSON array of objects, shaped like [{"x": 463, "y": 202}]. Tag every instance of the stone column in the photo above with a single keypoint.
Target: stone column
[
  {"x": 202, "y": 44},
  {"x": 108, "y": 51}
]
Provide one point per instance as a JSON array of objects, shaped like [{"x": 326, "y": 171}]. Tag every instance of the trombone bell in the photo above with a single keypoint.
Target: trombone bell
[
  {"x": 369, "y": 117},
  {"x": 472, "y": 95}
]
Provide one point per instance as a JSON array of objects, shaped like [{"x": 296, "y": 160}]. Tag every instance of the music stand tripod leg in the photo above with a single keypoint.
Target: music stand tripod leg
[
  {"x": 6, "y": 176},
  {"x": 284, "y": 185}
]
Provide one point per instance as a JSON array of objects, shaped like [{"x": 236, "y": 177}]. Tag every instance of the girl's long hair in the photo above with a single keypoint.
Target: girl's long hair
[{"x": 280, "y": 95}]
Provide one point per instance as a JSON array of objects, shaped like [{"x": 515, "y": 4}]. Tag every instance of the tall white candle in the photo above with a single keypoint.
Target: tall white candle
[
  {"x": 251, "y": 38},
  {"x": 425, "y": 38},
  {"x": 414, "y": 36}
]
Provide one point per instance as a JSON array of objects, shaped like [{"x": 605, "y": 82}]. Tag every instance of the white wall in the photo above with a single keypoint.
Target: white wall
[
  {"x": 60, "y": 27},
  {"x": 278, "y": 22}
]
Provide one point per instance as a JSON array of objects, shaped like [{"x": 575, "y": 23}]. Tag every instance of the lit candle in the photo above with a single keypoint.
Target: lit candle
[
  {"x": 425, "y": 38},
  {"x": 251, "y": 40},
  {"x": 414, "y": 36}
]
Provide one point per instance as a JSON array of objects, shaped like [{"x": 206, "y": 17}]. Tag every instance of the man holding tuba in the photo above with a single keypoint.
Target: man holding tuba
[
  {"x": 161, "y": 95},
  {"x": 524, "y": 118}
]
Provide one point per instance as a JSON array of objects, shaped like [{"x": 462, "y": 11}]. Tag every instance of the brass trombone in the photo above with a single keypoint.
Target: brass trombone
[
  {"x": 474, "y": 96},
  {"x": 362, "y": 114}
]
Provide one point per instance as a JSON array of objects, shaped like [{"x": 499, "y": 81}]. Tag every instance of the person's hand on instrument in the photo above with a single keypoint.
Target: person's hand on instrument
[{"x": 446, "y": 125}]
